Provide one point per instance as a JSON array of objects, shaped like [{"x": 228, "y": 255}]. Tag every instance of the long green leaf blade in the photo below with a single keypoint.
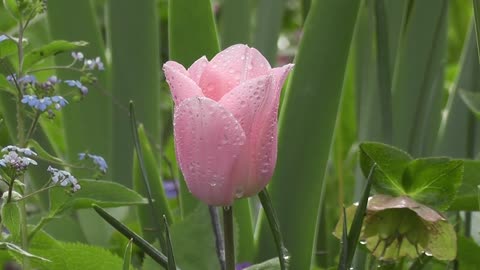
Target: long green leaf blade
[
  {"x": 304, "y": 146},
  {"x": 135, "y": 75}
]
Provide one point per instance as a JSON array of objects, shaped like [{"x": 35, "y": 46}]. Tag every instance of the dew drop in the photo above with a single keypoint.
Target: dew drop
[
  {"x": 239, "y": 192},
  {"x": 213, "y": 184},
  {"x": 428, "y": 254},
  {"x": 363, "y": 242}
]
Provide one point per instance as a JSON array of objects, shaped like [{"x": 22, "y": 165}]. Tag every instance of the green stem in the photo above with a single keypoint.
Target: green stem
[
  {"x": 282, "y": 251},
  {"x": 229, "y": 237},
  {"x": 24, "y": 233},
  {"x": 32, "y": 126},
  {"x": 217, "y": 231}
]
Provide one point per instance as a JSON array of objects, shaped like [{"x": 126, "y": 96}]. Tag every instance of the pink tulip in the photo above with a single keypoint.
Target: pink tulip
[{"x": 225, "y": 122}]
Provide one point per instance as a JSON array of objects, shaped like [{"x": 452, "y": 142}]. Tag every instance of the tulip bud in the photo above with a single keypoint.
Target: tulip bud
[{"x": 225, "y": 122}]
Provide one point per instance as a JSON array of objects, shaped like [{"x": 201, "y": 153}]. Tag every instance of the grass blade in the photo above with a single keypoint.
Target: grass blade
[
  {"x": 160, "y": 202},
  {"x": 171, "y": 257},
  {"x": 146, "y": 181},
  {"x": 476, "y": 14},
  {"x": 304, "y": 146},
  {"x": 127, "y": 257},
  {"x": 271, "y": 216},
  {"x": 343, "y": 264},
  {"x": 136, "y": 239}
]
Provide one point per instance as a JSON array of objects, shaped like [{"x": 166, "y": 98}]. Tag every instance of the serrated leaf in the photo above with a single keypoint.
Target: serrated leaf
[
  {"x": 11, "y": 219},
  {"x": 102, "y": 193},
  {"x": 467, "y": 195},
  {"x": 198, "y": 254},
  {"x": 433, "y": 181},
  {"x": 272, "y": 264},
  {"x": 391, "y": 163},
  {"x": 51, "y": 49},
  {"x": 472, "y": 100}
]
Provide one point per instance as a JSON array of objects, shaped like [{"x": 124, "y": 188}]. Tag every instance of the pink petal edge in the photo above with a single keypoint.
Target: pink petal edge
[
  {"x": 181, "y": 85},
  {"x": 197, "y": 68}
]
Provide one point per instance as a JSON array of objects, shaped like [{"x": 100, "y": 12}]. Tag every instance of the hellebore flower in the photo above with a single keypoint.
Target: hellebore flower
[{"x": 225, "y": 122}]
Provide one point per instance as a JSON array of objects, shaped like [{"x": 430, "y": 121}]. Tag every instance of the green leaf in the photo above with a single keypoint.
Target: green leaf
[
  {"x": 103, "y": 193},
  {"x": 468, "y": 252},
  {"x": 137, "y": 240},
  {"x": 235, "y": 22},
  {"x": 272, "y": 264},
  {"x": 313, "y": 95},
  {"x": 5, "y": 85},
  {"x": 433, "y": 181},
  {"x": 472, "y": 100},
  {"x": 391, "y": 163},
  {"x": 198, "y": 254},
  {"x": 42, "y": 153},
  {"x": 269, "y": 211},
  {"x": 127, "y": 258},
  {"x": 11, "y": 218},
  {"x": 51, "y": 49},
  {"x": 139, "y": 59},
  {"x": 467, "y": 196},
  {"x": 151, "y": 227},
  {"x": 476, "y": 12},
  {"x": 192, "y": 31},
  {"x": 8, "y": 46},
  {"x": 171, "y": 257}
]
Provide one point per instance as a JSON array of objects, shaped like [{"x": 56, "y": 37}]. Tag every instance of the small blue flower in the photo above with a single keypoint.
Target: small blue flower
[
  {"x": 97, "y": 160},
  {"x": 171, "y": 189},
  {"x": 92, "y": 63},
  {"x": 11, "y": 79},
  {"x": 53, "y": 79},
  {"x": 64, "y": 178},
  {"x": 43, "y": 103},
  {"x": 3, "y": 37},
  {"x": 30, "y": 79},
  {"x": 77, "y": 84},
  {"x": 32, "y": 101},
  {"x": 78, "y": 56},
  {"x": 241, "y": 266},
  {"x": 59, "y": 100}
]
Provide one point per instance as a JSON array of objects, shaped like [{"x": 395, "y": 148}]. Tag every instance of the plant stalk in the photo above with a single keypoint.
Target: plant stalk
[{"x": 229, "y": 237}]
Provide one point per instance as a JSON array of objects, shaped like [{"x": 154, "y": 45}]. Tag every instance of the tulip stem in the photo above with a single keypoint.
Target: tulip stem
[
  {"x": 228, "y": 237},
  {"x": 217, "y": 230}
]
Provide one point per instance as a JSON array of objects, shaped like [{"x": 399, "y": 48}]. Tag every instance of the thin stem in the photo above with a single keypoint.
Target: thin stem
[
  {"x": 282, "y": 251},
  {"x": 69, "y": 67},
  {"x": 217, "y": 231},
  {"x": 32, "y": 126},
  {"x": 228, "y": 237},
  {"x": 34, "y": 193}
]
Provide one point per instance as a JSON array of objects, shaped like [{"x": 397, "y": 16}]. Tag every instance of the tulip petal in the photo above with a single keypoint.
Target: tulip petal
[
  {"x": 280, "y": 74},
  {"x": 181, "y": 85},
  {"x": 230, "y": 68},
  {"x": 197, "y": 68},
  {"x": 208, "y": 140}
]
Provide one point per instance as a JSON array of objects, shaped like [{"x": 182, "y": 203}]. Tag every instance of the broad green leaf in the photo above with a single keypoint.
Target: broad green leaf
[
  {"x": 127, "y": 258},
  {"x": 103, "y": 193},
  {"x": 472, "y": 100},
  {"x": 468, "y": 251},
  {"x": 268, "y": 26},
  {"x": 313, "y": 95},
  {"x": 192, "y": 31},
  {"x": 7, "y": 46},
  {"x": 151, "y": 227},
  {"x": 139, "y": 59},
  {"x": 271, "y": 264},
  {"x": 433, "y": 181},
  {"x": 391, "y": 163},
  {"x": 198, "y": 254},
  {"x": 11, "y": 219},
  {"x": 467, "y": 196},
  {"x": 81, "y": 24},
  {"x": 235, "y": 23},
  {"x": 417, "y": 88},
  {"x": 51, "y": 49}
]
